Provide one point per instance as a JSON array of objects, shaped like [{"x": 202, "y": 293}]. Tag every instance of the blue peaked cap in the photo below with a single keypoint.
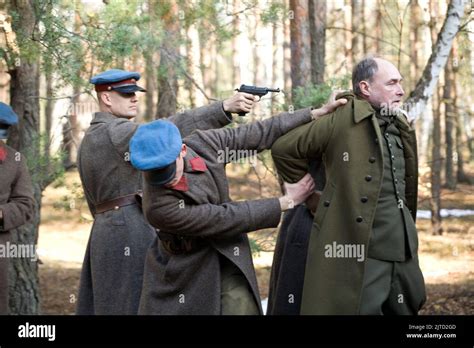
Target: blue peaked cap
[{"x": 117, "y": 80}]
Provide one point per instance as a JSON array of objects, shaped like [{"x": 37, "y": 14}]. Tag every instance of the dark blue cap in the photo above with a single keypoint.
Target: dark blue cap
[
  {"x": 154, "y": 148},
  {"x": 117, "y": 80},
  {"x": 8, "y": 117}
]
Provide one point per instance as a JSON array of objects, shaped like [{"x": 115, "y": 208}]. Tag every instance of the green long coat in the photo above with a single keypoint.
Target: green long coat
[{"x": 350, "y": 143}]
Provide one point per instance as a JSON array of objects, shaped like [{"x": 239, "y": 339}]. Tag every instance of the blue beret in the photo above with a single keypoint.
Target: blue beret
[
  {"x": 117, "y": 80},
  {"x": 155, "y": 145},
  {"x": 7, "y": 115}
]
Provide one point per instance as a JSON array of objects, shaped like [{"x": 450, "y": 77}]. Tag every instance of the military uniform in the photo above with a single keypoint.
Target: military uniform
[
  {"x": 112, "y": 272},
  {"x": 16, "y": 197},
  {"x": 369, "y": 201},
  {"x": 201, "y": 262},
  {"x": 289, "y": 259}
]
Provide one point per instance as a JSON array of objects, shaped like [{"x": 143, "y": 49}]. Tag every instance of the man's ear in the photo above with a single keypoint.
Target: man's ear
[
  {"x": 364, "y": 88},
  {"x": 105, "y": 98},
  {"x": 184, "y": 150}
]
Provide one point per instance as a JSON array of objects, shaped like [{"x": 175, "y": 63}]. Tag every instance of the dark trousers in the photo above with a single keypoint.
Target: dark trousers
[
  {"x": 392, "y": 288},
  {"x": 236, "y": 295}
]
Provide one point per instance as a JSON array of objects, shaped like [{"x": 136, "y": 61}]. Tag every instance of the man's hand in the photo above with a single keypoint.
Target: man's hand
[
  {"x": 330, "y": 106},
  {"x": 240, "y": 102},
  {"x": 297, "y": 193}
]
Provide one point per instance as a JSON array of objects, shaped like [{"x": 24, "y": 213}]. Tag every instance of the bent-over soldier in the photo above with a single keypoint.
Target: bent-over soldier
[{"x": 201, "y": 262}]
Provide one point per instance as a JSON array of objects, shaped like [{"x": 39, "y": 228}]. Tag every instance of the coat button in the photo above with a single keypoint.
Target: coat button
[
  {"x": 376, "y": 140},
  {"x": 364, "y": 199},
  {"x": 359, "y": 219},
  {"x": 372, "y": 159},
  {"x": 326, "y": 203},
  {"x": 116, "y": 207},
  {"x": 368, "y": 178}
]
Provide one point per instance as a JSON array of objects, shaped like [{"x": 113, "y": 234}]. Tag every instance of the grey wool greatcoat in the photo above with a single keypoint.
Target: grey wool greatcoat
[
  {"x": 350, "y": 143},
  {"x": 17, "y": 206},
  {"x": 112, "y": 271},
  {"x": 190, "y": 283}
]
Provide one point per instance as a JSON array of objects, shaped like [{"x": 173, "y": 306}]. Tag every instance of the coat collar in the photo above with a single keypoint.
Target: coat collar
[
  {"x": 3, "y": 152},
  {"x": 362, "y": 109},
  {"x": 192, "y": 164},
  {"x": 103, "y": 117}
]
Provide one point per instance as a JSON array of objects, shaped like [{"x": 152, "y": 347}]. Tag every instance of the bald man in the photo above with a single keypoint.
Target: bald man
[{"x": 362, "y": 253}]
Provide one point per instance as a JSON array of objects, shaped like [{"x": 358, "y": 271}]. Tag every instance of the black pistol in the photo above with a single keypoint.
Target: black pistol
[{"x": 260, "y": 91}]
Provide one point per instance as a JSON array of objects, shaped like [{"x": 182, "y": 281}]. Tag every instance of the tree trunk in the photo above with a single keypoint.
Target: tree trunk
[
  {"x": 300, "y": 44},
  {"x": 169, "y": 53},
  {"x": 274, "y": 63},
  {"x": 71, "y": 126},
  {"x": 150, "y": 67},
  {"x": 348, "y": 35},
  {"x": 365, "y": 46},
  {"x": 449, "y": 117},
  {"x": 287, "y": 53},
  {"x": 356, "y": 18},
  {"x": 436, "y": 161},
  {"x": 235, "y": 79},
  {"x": 425, "y": 86},
  {"x": 378, "y": 26},
  {"x": 460, "y": 174},
  {"x": 24, "y": 92},
  {"x": 317, "y": 24},
  {"x": 48, "y": 112}
]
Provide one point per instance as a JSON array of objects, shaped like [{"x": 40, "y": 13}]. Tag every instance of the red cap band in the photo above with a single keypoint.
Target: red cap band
[{"x": 110, "y": 86}]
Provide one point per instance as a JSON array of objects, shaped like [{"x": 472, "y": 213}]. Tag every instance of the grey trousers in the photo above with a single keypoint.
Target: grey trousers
[
  {"x": 392, "y": 288},
  {"x": 236, "y": 296}
]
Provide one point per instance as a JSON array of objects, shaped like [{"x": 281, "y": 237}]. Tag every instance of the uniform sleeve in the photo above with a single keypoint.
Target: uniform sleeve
[
  {"x": 20, "y": 206},
  {"x": 120, "y": 133},
  {"x": 257, "y": 136},
  {"x": 206, "y": 117},
  {"x": 222, "y": 221},
  {"x": 292, "y": 151}
]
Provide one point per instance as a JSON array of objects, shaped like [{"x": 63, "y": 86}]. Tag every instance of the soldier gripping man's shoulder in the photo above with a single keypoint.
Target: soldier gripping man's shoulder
[{"x": 111, "y": 279}]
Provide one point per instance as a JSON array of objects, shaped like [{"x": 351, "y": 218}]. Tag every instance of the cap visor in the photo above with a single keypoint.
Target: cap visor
[
  {"x": 129, "y": 89},
  {"x": 160, "y": 177}
]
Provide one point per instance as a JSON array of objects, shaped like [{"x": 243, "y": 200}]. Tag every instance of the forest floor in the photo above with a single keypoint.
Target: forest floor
[{"x": 447, "y": 261}]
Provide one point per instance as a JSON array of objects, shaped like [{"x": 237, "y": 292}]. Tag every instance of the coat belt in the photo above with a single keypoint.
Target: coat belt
[
  {"x": 117, "y": 203},
  {"x": 176, "y": 244}
]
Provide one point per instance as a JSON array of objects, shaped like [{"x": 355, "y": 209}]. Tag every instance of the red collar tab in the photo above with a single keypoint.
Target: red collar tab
[
  {"x": 182, "y": 185},
  {"x": 198, "y": 164},
  {"x": 3, "y": 153},
  {"x": 109, "y": 86}
]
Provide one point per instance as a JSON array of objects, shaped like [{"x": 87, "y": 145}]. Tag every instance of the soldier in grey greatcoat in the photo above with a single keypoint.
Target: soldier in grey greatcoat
[
  {"x": 16, "y": 196},
  {"x": 112, "y": 273}
]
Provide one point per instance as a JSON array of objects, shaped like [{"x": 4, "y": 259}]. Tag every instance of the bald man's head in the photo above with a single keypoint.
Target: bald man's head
[{"x": 379, "y": 82}]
